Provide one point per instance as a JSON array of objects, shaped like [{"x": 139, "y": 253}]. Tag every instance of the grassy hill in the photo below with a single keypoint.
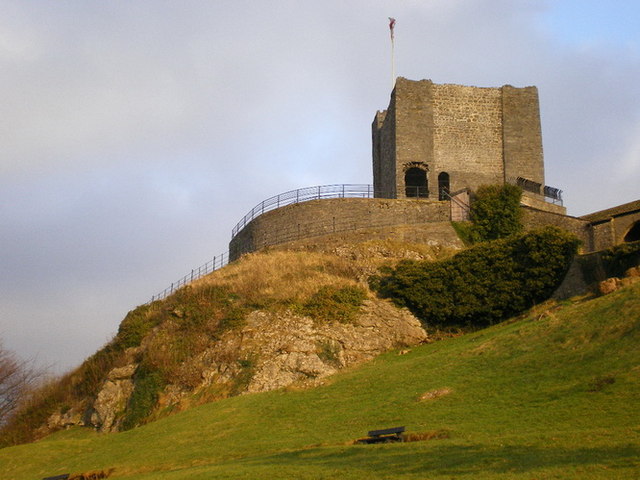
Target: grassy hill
[{"x": 552, "y": 394}]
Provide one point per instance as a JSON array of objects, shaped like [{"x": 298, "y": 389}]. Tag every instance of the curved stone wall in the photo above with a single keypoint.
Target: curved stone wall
[
  {"x": 330, "y": 216},
  {"x": 413, "y": 220}
]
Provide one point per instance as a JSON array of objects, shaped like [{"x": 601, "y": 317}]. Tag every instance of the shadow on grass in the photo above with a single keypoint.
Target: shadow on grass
[{"x": 452, "y": 460}]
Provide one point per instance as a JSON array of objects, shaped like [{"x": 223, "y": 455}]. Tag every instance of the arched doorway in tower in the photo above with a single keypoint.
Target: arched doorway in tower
[
  {"x": 633, "y": 235},
  {"x": 443, "y": 186},
  {"x": 415, "y": 182}
]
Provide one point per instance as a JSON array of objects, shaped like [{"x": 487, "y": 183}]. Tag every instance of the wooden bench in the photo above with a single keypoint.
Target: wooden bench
[
  {"x": 58, "y": 477},
  {"x": 383, "y": 436}
]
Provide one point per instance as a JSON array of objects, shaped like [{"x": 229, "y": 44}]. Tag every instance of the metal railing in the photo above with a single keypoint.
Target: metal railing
[
  {"x": 304, "y": 195},
  {"x": 549, "y": 194},
  {"x": 287, "y": 198},
  {"x": 216, "y": 263},
  {"x": 277, "y": 201},
  {"x": 412, "y": 191},
  {"x": 452, "y": 197},
  {"x": 315, "y": 193}
]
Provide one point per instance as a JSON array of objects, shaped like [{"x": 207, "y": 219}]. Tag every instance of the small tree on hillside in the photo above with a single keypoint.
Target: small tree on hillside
[
  {"x": 17, "y": 377},
  {"x": 496, "y": 212}
]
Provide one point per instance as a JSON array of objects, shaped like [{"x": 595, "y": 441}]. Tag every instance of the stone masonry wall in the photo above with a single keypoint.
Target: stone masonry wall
[
  {"x": 328, "y": 216},
  {"x": 433, "y": 233},
  {"x": 623, "y": 223},
  {"x": 384, "y": 148},
  {"x": 534, "y": 218},
  {"x": 413, "y": 103},
  {"x": 537, "y": 201},
  {"x": 603, "y": 235},
  {"x": 522, "y": 134},
  {"x": 467, "y": 135},
  {"x": 612, "y": 231},
  {"x": 477, "y": 135},
  {"x": 422, "y": 221}
]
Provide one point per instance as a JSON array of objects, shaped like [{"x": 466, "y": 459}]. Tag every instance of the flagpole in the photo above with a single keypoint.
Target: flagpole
[
  {"x": 393, "y": 65},
  {"x": 392, "y": 24}
]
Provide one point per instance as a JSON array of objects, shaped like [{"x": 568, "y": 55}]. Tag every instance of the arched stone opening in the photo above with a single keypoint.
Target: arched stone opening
[
  {"x": 443, "y": 186},
  {"x": 633, "y": 235},
  {"x": 415, "y": 182}
]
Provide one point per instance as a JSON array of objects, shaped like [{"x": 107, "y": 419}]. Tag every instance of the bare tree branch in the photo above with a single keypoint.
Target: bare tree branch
[{"x": 17, "y": 378}]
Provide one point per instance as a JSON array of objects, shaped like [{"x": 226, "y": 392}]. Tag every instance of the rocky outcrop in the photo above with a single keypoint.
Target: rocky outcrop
[
  {"x": 64, "y": 419},
  {"x": 289, "y": 348},
  {"x": 112, "y": 399},
  {"x": 612, "y": 284},
  {"x": 272, "y": 350},
  {"x": 275, "y": 350}
]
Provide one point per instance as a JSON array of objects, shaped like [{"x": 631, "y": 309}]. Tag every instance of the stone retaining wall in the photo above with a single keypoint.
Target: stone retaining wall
[
  {"x": 534, "y": 218},
  {"x": 341, "y": 215},
  {"x": 412, "y": 220}
]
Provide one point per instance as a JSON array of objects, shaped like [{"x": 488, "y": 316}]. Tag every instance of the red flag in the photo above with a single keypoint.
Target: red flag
[{"x": 392, "y": 23}]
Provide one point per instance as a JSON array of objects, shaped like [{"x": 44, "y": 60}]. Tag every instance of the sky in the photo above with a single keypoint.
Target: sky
[{"x": 135, "y": 133}]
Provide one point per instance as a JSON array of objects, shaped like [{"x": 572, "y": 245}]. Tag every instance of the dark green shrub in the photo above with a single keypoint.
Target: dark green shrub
[
  {"x": 495, "y": 212},
  {"x": 484, "y": 284},
  {"x": 617, "y": 260},
  {"x": 331, "y": 303}
]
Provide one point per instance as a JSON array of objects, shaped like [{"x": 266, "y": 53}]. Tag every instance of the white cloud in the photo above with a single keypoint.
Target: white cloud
[{"x": 135, "y": 134}]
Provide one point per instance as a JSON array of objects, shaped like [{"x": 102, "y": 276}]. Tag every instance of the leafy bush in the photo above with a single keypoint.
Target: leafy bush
[
  {"x": 331, "y": 303},
  {"x": 620, "y": 258},
  {"x": 484, "y": 284},
  {"x": 495, "y": 212}
]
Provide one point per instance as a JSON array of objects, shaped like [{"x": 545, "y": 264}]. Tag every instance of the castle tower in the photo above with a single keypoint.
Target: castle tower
[{"x": 443, "y": 138}]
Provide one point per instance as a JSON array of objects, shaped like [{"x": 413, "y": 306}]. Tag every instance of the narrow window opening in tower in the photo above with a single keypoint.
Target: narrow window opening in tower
[
  {"x": 633, "y": 235},
  {"x": 443, "y": 186},
  {"x": 415, "y": 182}
]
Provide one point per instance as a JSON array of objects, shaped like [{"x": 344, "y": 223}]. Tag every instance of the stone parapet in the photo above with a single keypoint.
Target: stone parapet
[
  {"x": 330, "y": 216},
  {"x": 535, "y": 218},
  {"x": 538, "y": 202}
]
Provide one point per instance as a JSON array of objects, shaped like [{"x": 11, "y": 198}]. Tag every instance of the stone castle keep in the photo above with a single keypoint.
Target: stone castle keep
[
  {"x": 434, "y": 139},
  {"x": 432, "y": 147}
]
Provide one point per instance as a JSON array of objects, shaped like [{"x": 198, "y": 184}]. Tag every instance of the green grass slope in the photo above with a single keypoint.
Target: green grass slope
[{"x": 554, "y": 394}]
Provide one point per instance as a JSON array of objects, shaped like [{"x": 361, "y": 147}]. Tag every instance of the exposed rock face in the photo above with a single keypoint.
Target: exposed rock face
[
  {"x": 64, "y": 419},
  {"x": 273, "y": 350},
  {"x": 612, "y": 284},
  {"x": 609, "y": 285},
  {"x": 112, "y": 398},
  {"x": 281, "y": 349}
]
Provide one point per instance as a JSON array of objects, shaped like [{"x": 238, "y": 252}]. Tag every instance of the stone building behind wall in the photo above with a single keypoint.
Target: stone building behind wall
[{"x": 435, "y": 139}]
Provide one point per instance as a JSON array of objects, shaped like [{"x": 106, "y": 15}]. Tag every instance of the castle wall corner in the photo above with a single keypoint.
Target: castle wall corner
[{"x": 522, "y": 134}]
